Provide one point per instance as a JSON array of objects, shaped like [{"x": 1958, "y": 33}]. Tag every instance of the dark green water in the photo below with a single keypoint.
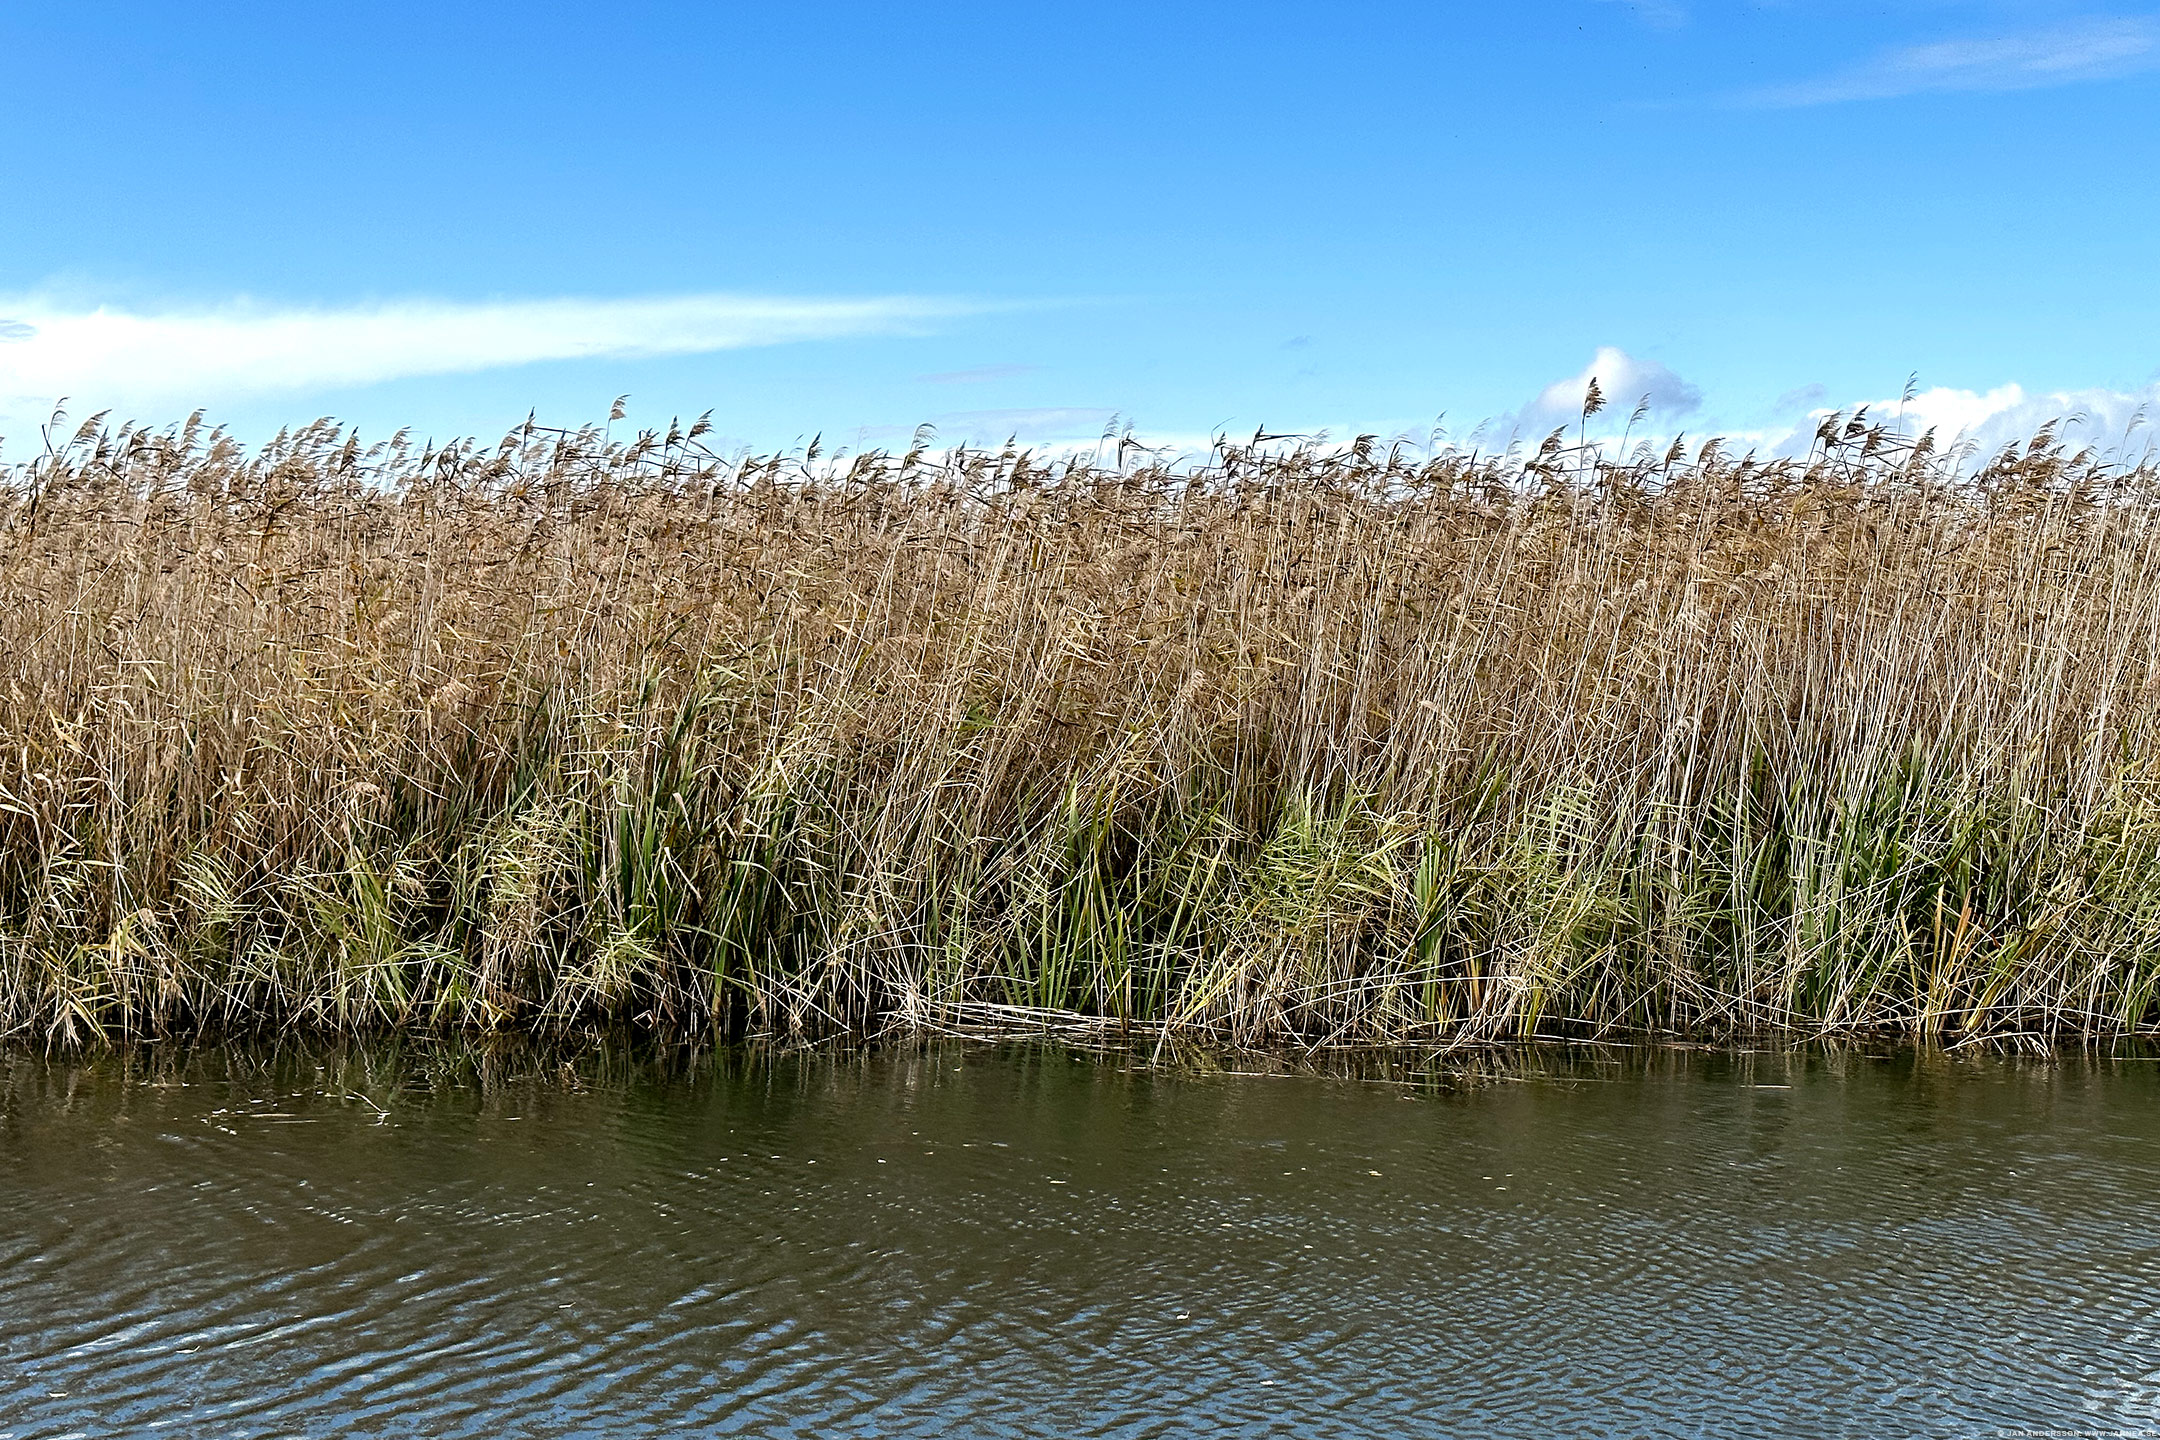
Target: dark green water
[{"x": 1021, "y": 1242}]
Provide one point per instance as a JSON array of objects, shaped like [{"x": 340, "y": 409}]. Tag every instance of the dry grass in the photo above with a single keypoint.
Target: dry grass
[{"x": 1325, "y": 747}]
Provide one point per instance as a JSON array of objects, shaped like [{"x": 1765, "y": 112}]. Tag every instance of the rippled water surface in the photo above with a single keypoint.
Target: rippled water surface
[{"x": 1026, "y": 1242}]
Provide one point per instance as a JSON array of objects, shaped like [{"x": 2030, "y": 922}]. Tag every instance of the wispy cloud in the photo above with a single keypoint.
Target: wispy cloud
[
  {"x": 1660, "y": 14},
  {"x": 1056, "y": 426},
  {"x": 1801, "y": 398},
  {"x": 1044, "y": 425},
  {"x": 2086, "y": 50},
  {"x": 979, "y": 374},
  {"x": 104, "y": 355}
]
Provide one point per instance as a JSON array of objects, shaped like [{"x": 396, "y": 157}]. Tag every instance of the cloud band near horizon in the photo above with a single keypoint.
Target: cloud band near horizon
[{"x": 108, "y": 355}]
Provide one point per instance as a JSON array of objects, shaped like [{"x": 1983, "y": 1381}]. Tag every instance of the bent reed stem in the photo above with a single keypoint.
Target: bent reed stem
[{"x": 1294, "y": 745}]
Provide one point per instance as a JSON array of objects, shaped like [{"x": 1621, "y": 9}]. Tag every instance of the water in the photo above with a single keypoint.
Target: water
[{"x": 1029, "y": 1242}]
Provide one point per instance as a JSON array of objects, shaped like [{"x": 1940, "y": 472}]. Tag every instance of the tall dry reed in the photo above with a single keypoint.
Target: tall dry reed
[{"x": 1321, "y": 746}]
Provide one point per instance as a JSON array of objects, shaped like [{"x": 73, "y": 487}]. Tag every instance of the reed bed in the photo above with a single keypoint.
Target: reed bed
[{"x": 1294, "y": 745}]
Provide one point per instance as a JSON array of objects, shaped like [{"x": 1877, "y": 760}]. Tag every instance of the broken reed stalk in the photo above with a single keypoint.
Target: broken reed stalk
[{"x": 1313, "y": 746}]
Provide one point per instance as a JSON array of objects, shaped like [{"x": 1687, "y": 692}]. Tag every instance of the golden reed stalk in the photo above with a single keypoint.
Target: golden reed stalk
[{"x": 1335, "y": 746}]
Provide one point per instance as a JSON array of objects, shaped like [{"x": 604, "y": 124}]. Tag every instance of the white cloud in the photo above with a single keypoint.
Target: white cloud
[
  {"x": 2123, "y": 425},
  {"x": 1625, "y": 381},
  {"x": 105, "y": 356},
  {"x": 2101, "y": 49},
  {"x": 2116, "y": 421}
]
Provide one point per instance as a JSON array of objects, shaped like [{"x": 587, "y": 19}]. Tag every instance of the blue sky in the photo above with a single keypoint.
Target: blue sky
[{"x": 853, "y": 218}]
